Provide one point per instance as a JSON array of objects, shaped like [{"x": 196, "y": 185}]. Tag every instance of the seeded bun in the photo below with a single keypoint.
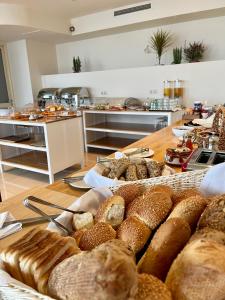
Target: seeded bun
[
  {"x": 129, "y": 192},
  {"x": 134, "y": 232},
  {"x": 184, "y": 194},
  {"x": 151, "y": 210},
  {"x": 151, "y": 288},
  {"x": 96, "y": 235},
  {"x": 159, "y": 188}
]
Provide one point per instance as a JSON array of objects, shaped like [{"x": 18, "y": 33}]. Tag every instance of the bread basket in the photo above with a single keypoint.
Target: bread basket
[{"x": 16, "y": 290}]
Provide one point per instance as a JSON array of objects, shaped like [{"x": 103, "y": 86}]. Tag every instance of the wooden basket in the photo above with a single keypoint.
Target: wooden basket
[{"x": 179, "y": 181}]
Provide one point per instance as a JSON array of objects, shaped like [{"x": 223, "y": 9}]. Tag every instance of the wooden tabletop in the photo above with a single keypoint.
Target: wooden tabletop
[{"x": 62, "y": 194}]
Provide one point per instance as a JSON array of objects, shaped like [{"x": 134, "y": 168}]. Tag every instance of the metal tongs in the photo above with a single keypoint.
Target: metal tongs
[{"x": 32, "y": 207}]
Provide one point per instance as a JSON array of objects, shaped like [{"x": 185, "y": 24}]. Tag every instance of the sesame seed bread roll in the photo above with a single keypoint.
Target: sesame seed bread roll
[
  {"x": 151, "y": 288},
  {"x": 159, "y": 188},
  {"x": 134, "y": 232},
  {"x": 129, "y": 192},
  {"x": 184, "y": 194},
  {"x": 96, "y": 235},
  {"x": 190, "y": 210},
  {"x": 165, "y": 245},
  {"x": 111, "y": 211},
  {"x": 152, "y": 209}
]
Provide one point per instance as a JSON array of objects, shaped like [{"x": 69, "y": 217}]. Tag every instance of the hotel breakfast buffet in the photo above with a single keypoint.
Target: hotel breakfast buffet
[{"x": 112, "y": 150}]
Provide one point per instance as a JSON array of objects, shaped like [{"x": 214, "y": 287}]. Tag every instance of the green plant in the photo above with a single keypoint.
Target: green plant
[
  {"x": 76, "y": 64},
  {"x": 194, "y": 52},
  {"x": 177, "y": 55},
  {"x": 160, "y": 41}
]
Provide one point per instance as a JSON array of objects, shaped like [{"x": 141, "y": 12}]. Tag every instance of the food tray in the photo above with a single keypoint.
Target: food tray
[{"x": 179, "y": 181}]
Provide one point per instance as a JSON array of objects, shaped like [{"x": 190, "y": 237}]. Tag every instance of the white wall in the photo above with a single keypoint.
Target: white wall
[
  {"x": 20, "y": 73},
  {"x": 126, "y": 50}
]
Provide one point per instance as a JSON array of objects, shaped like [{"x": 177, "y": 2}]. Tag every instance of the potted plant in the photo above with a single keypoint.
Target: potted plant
[
  {"x": 194, "y": 52},
  {"x": 76, "y": 65},
  {"x": 177, "y": 55},
  {"x": 160, "y": 41}
]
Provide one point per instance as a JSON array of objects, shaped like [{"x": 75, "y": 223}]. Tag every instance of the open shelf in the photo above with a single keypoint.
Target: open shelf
[
  {"x": 33, "y": 161},
  {"x": 130, "y": 128},
  {"x": 112, "y": 143},
  {"x": 23, "y": 145}
]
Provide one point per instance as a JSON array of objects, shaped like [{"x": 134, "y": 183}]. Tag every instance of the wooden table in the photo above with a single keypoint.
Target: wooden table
[{"x": 64, "y": 195}]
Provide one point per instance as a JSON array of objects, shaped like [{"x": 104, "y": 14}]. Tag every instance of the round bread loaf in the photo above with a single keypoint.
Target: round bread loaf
[
  {"x": 151, "y": 288},
  {"x": 111, "y": 211},
  {"x": 159, "y": 188},
  {"x": 165, "y": 245},
  {"x": 96, "y": 235},
  {"x": 214, "y": 215},
  {"x": 107, "y": 272},
  {"x": 209, "y": 234},
  {"x": 184, "y": 194},
  {"x": 190, "y": 210},
  {"x": 198, "y": 272},
  {"x": 129, "y": 192},
  {"x": 134, "y": 232},
  {"x": 151, "y": 210}
]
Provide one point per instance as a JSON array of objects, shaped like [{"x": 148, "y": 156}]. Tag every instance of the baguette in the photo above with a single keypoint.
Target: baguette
[{"x": 129, "y": 192}]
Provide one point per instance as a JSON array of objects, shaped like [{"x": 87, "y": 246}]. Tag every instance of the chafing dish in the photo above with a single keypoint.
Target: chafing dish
[{"x": 46, "y": 95}]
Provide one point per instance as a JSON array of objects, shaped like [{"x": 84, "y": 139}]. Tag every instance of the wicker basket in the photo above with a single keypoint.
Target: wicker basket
[{"x": 178, "y": 182}]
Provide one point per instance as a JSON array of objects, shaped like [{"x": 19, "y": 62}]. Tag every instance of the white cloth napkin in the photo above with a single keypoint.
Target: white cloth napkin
[
  {"x": 10, "y": 229},
  {"x": 207, "y": 123},
  {"x": 214, "y": 181}
]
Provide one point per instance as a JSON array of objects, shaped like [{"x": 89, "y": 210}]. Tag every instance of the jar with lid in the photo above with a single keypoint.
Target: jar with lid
[
  {"x": 178, "y": 89},
  {"x": 168, "y": 89}
]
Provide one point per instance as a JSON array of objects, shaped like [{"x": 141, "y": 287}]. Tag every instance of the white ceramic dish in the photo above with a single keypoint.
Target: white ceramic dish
[
  {"x": 81, "y": 183},
  {"x": 180, "y": 131},
  {"x": 145, "y": 154}
]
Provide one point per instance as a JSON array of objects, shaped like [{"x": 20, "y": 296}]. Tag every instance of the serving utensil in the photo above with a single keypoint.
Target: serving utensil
[
  {"x": 72, "y": 179},
  {"x": 30, "y": 221}
]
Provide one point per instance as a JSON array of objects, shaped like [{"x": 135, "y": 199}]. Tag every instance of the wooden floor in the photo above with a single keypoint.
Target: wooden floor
[{"x": 16, "y": 181}]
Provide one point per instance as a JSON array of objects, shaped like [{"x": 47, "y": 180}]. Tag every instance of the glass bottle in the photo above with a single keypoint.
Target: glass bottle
[
  {"x": 168, "y": 89},
  {"x": 178, "y": 89}
]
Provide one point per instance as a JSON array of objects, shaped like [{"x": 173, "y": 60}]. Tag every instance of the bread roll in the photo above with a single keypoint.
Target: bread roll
[
  {"x": 78, "y": 234},
  {"x": 165, "y": 245},
  {"x": 96, "y": 235},
  {"x": 159, "y": 188},
  {"x": 151, "y": 288},
  {"x": 209, "y": 234},
  {"x": 134, "y": 232},
  {"x": 82, "y": 221},
  {"x": 131, "y": 173},
  {"x": 155, "y": 168},
  {"x": 107, "y": 272},
  {"x": 129, "y": 192},
  {"x": 198, "y": 272},
  {"x": 184, "y": 194},
  {"x": 214, "y": 215},
  {"x": 190, "y": 210},
  {"x": 151, "y": 210},
  {"x": 142, "y": 172},
  {"x": 111, "y": 211}
]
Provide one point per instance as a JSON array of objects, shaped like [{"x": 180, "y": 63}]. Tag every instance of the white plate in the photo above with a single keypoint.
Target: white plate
[
  {"x": 148, "y": 153},
  {"x": 80, "y": 184}
]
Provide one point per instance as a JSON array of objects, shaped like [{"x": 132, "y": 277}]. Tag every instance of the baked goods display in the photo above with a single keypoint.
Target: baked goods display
[{"x": 144, "y": 242}]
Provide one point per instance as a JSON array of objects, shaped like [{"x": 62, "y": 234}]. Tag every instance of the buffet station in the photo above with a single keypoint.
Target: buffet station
[{"x": 147, "y": 222}]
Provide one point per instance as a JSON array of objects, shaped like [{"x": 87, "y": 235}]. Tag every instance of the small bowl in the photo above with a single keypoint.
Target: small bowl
[{"x": 180, "y": 131}]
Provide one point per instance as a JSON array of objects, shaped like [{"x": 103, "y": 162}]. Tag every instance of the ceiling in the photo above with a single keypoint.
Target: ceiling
[{"x": 71, "y": 8}]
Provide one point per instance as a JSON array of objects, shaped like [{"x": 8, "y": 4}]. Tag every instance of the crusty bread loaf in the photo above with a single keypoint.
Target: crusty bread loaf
[
  {"x": 129, "y": 192},
  {"x": 198, "y": 272},
  {"x": 209, "y": 234},
  {"x": 81, "y": 221},
  {"x": 190, "y": 210},
  {"x": 134, "y": 232},
  {"x": 111, "y": 211},
  {"x": 159, "y": 188},
  {"x": 107, "y": 272},
  {"x": 131, "y": 173},
  {"x": 165, "y": 245},
  {"x": 96, "y": 235},
  {"x": 214, "y": 215},
  {"x": 151, "y": 210},
  {"x": 151, "y": 288},
  {"x": 184, "y": 194},
  {"x": 78, "y": 234}
]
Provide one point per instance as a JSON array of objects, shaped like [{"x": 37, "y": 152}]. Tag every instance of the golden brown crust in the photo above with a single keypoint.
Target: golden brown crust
[
  {"x": 129, "y": 192},
  {"x": 151, "y": 288},
  {"x": 159, "y": 188},
  {"x": 208, "y": 234},
  {"x": 184, "y": 194},
  {"x": 96, "y": 235},
  {"x": 78, "y": 234},
  {"x": 151, "y": 210},
  {"x": 134, "y": 232},
  {"x": 165, "y": 245}
]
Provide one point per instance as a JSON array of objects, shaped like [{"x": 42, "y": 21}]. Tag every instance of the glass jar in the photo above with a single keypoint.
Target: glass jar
[
  {"x": 178, "y": 89},
  {"x": 168, "y": 89}
]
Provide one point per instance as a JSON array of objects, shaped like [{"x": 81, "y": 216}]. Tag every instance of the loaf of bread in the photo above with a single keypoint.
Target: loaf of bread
[
  {"x": 111, "y": 211},
  {"x": 82, "y": 221},
  {"x": 134, "y": 232},
  {"x": 209, "y": 234},
  {"x": 159, "y": 188},
  {"x": 184, "y": 194},
  {"x": 214, "y": 215},
  {"x": 96, "y": 235},
  {"x": 107, "y": 272},
  {"x": 151, "y": 210},
  {"x": 198, "y": 272},
  {"x": 190, "y": 210},
  {"x": 142, "y": 171},
  {"x": 131, "y": 173},
  {"x": 151, "y": 288},
  {"x": 118, "y": 167},
  {"x": 129, "y": 192},
  {"x": 165, "y": 245},
  {"x": 155, "y": 168}
]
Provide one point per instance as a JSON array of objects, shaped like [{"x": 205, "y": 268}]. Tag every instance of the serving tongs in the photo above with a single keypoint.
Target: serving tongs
[
  {"x": 34, "y": 208},
  {"x": 72, "y": 179}
]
